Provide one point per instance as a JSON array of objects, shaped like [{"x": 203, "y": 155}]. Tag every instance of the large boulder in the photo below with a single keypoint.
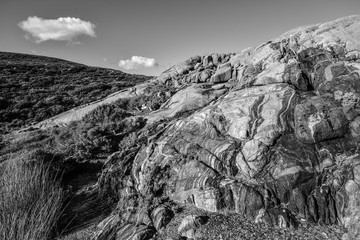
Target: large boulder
[{"x": 222, "y": 75}]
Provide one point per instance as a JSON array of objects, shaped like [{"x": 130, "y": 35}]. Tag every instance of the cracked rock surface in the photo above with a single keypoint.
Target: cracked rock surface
[{"x": 269, "y": 135}]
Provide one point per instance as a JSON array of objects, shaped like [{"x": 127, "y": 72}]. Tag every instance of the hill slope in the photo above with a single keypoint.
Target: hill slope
[{"x": 34, "y": 88}]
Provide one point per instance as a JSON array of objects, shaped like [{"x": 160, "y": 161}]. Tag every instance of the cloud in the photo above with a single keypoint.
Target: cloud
[
  {"x": 137, "y": 62},
  {"x": 61, "y": 29}
]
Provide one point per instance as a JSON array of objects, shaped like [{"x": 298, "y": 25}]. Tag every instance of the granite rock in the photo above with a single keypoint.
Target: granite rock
[{"x": 278, "y": 143}]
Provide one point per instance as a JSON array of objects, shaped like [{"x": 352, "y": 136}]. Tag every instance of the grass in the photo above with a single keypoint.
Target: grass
[{"x": 30, "y": 201}]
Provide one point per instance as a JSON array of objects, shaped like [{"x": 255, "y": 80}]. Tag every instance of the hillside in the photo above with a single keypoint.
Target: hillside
[
  {"x": 258, "y": 144},
  {"x": 34, "y": 88}
]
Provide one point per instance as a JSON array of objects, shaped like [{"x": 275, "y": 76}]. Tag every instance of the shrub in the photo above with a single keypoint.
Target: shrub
[
  {"x": 98, "y": 133},
  {"x": 30, "y": 200}
]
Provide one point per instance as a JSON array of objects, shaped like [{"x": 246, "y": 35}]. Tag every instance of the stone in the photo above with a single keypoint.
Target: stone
[
  {"x": 218, "y": 86},
  {"x": 193, "y": 60},
  {"x": 279, "y": 217},
  {"x": 207, "y": 60},
  {"x": 240, "y": 73},
  {"x": 294, "y": 75},
  {"x": 161, "y": 216},
  {"x": 355, "y": 130},
  {"x": 225, "y": 65},
  {"x": 194, "y": 78},
  {"x": 216, "y": 58},
  {"x": 221, "y": 75},
  {"x": 189, "y": 225},
  {"x": 198, "y": 65},
  {"x": 205, "y": 76},
  {"x": 317, "y": 119},
  {"x": 351, "y": 186}
]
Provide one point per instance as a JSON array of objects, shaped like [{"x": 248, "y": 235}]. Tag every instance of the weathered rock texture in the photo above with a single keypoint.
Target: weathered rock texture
[{"x": 271, "y": 133}]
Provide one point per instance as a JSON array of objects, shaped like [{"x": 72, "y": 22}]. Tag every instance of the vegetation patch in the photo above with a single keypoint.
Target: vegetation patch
[
  {"x": 30, "y": 199},
  {"x": 34, "y": 88}
]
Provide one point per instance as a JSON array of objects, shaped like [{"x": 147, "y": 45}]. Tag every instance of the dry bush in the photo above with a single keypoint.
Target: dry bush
[{"x": 30, "y": 200}]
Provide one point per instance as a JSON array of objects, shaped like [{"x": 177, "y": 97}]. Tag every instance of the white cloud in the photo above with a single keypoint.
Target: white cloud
[
  {"x": 137, "y": 62},
  {"x": 61, "y": 29}
]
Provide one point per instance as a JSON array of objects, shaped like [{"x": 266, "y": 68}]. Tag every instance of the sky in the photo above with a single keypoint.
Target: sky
[{"x": 148, "y": 36}]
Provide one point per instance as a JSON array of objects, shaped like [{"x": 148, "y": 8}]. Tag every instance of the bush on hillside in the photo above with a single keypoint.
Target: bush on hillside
[
  {"x": 97, "y": 133},
  {"x": 30, "y": 87}
]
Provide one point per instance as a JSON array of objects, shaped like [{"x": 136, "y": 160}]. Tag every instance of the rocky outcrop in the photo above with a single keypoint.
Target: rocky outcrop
[
  {"x": 213, "y": 68},
  {"x": 270, "y": 133}
]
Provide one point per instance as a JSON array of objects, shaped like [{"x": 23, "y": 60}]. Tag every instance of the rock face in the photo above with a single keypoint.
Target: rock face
[
  {"x": 277, "y": 141},
  {"x": 278, "y": 145}
]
